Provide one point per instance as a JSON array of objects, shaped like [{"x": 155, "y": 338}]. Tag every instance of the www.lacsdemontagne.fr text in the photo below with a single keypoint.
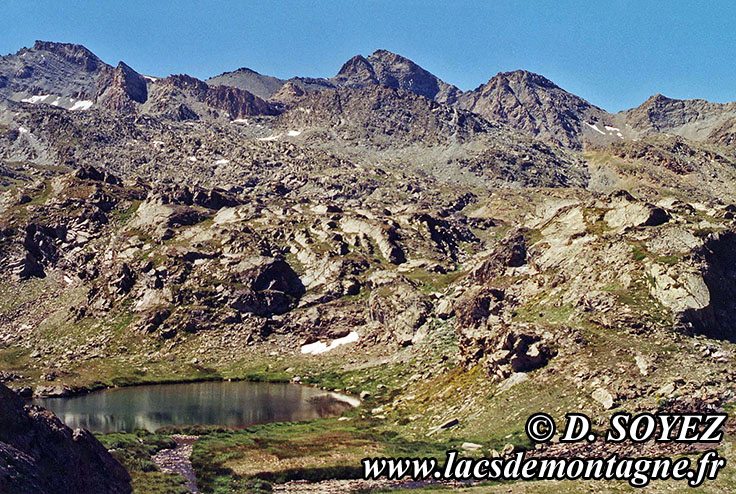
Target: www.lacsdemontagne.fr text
[{"x": 638, "y": 472}]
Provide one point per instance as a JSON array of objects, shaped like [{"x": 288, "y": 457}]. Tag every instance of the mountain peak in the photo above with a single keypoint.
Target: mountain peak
[
  {"x": 357, "y": 72},
  {"x": 389, "y": 69},
  {"x": 526, "y": 77},
  {"x": 71, "y": 52}
]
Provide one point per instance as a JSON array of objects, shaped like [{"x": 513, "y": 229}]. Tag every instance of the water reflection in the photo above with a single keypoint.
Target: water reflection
[{"x": 212, "y": 403}]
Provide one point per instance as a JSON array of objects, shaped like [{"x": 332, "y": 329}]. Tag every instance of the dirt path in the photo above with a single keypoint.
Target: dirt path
[{"x": 178, "y": 461}]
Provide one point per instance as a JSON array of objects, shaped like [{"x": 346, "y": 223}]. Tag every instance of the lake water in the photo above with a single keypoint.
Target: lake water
[{"x": 231, "y": 404}]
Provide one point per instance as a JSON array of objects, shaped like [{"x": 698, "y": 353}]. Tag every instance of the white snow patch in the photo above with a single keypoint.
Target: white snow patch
[
  {"x": 222, "y": 162},
  {"x": 56, "y": 101},
  {"x": 38, "y": 98},
  {"x": 23, "y": 130},
  {"x": 294, "y": 133},
  {"x": 81, "y": 105},
  {"x": 321, "y": 347},
  {"x": 270, "y": 138},
  {"x": 240, "y": 121},
  {"x": 192, "y": 159},
  {"x": 611, "y": 128},
  {"x": 148, "y": 77},
  {"x": 592, "y": 126}
]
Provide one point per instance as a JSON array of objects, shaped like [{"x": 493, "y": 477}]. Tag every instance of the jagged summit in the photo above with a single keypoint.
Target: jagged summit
[
  {"x": 389, "y": 69},
  {"x": 70, "y": 76},
  {"x": 531, "y": 102}
]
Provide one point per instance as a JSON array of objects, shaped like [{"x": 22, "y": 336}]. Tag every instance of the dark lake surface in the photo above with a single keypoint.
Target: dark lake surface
[{"x": 208, "y": 403}]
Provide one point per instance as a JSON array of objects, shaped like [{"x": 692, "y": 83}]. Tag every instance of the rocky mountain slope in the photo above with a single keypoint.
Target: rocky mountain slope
[
  {"x": 381, "y": 68},
  {"x": 70, "y": 76},
  {"x": 471, "y": 256},
  {"x": 263, "y": 86},
  {"x": 536, "y": 105},
  {"x": 694, "y": 119}
]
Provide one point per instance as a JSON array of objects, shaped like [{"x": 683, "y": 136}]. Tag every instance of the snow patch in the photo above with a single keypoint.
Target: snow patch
[
  {"x": 81, "y": 105},
  {"x": 611, "y": 128},
  {"x": 222, "y": 162},
  {"x": 149, "y": 78},
  {"x": 38, "y": 98},
  {"x": 240, "y": 121},
  {"x": 158, "y": 143},
  {"x": 192, "y": 159},
  {"x": 23, "y": 130},
  {"x": 321, "y": 347},
  {"x": 592, "y": 126},
  {"x": 270, "y": 138},
  {"x": 294, "y": 133}
]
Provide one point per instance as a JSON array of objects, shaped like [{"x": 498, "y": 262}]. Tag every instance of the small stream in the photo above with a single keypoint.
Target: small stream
[{"x": 178, "y": 460}]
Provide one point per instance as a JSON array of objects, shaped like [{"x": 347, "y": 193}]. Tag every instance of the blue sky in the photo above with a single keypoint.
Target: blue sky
[{"x": 614, "y": 53}]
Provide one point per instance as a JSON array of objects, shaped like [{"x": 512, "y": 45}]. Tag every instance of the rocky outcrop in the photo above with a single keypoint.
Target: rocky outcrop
[
  {"x": 705, "y": 301},
  {"x": 237, "y": 103},
  {"x": 486, "y": 336},
  {"x": 266, "y": 286},
  {"x": 384, "y": 235},
  {"x": 40, "y": 455},
  {"x": 400, "y": 309},
  {"x": 121, "y": 88},
  {"x": 627, "y": 213}
]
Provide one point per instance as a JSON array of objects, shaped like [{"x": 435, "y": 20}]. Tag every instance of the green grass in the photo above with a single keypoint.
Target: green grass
[{"x": 134, "y": 451}]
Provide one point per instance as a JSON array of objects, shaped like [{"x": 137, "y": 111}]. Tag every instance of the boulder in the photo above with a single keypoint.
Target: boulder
[
  {"x": 40, "y": 455},
  {"x": 603, "y": 397}
]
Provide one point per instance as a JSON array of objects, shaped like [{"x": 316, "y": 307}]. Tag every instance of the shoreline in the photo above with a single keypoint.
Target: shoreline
[{"x": 349, "y": 398}]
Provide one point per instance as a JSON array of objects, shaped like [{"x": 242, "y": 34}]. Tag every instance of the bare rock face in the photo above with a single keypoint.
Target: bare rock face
[
  {"x": 724, "y": 134},
  {"x": 268, "y": 286},
  {"x": 389, "y": 115},
  {"x": 40, "y": 455},
  {"x": 692, "y": 118},
  {"x": 289, "y": 94},
  {"x": 389, "y": 69},
  {"x": 534, "y": 104},
  {"x": 400, "y": 309},
  {"x": 706, "y": 302},
  {"x": 48, "y": 68},
  {"x": 76, "y": 54},
  {"x": 186, "y": 98},
  {"x": 263, "y": 86},
  {"x": 357, "y": 72},
  {"x": 121, "y": 88},
  {"x": 237, "y": 103}
]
